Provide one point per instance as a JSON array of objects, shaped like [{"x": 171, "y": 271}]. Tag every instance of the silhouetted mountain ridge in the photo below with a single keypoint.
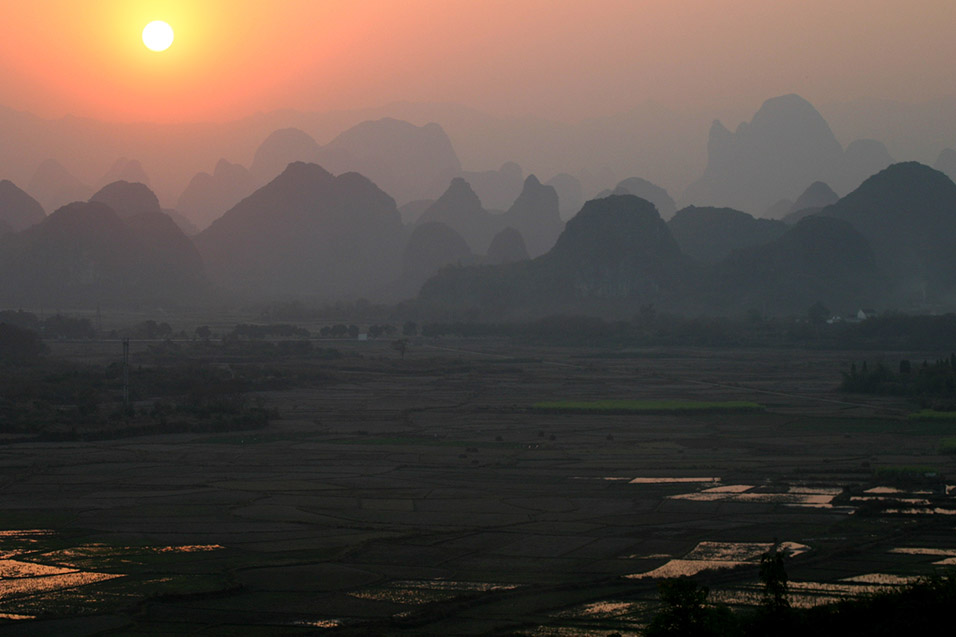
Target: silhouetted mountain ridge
[
  {"x": 84, "y": 254},
  {"x": 711, "y": 234},
  {"x": 306, "y": 232},
  {"x": 907, "y": 212}
]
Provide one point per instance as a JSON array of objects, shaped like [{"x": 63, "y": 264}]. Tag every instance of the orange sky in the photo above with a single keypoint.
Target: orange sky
[{"x": 564, "y": 59}]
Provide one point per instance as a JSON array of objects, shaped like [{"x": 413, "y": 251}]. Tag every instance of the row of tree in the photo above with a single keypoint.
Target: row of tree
[{"x": 927, "y": 381}]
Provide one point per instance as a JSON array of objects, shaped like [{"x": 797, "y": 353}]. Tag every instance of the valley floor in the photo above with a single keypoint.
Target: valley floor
[{"x": 427, "y": 496}]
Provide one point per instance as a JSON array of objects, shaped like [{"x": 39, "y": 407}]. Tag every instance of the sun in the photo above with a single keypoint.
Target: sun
[{"x": 157, "y": 36}]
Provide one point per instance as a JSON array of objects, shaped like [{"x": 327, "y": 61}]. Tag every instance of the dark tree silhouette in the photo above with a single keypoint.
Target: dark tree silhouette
[
  {"x": 19, "y": 345},
  {"x": 773, "y": 574}
]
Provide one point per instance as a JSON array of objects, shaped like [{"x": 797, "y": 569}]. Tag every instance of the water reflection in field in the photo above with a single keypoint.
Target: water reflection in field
[
  {"x": 815, "y": 497},
  {"x": 320, "y": 623},
  {"x": 948, "y": 555},
  {"x": 659, "y": 480},
  {"x": 810, "y": 594},
  {"x": 717, "y": 555},
  {"x": 417, "y": 592},
  {"x": 33, "y": 577}
]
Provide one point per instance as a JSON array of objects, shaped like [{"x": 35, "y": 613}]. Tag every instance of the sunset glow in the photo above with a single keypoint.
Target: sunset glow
[{"x": 577, "y": 59}]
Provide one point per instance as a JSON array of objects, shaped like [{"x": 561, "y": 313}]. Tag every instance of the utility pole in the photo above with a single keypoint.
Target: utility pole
[{"x": 126, "y": 377}]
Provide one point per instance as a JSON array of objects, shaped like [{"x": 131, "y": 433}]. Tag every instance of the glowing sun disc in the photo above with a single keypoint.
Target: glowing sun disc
[{"x": 157, "y": 35}]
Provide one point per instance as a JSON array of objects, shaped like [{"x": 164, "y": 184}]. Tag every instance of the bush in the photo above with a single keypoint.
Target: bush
[{"x": 19, "y": 345}]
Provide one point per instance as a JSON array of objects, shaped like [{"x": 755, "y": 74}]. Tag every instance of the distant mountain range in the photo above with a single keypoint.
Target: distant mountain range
[
  {"x": 785, "y": 148},
  {"x": 889, "y": 243},
  {"x": 663, "y": 145},
  {"x": 321, "y": 221},
  {"x": 311, "y": 234}
]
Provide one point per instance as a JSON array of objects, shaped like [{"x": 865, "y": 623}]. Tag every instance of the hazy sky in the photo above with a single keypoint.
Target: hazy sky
[{"x": 563, "y": 59}]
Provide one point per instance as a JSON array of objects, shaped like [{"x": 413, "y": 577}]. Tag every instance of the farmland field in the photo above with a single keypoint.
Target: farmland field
[{"x": 434, "y": 495}]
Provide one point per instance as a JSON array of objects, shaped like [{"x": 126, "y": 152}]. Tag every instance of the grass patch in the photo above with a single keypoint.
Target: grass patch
[
  {"x": 254, "y": 437},
  {"x": 906, "y": 473},
  {"x": 645, "y": 406},
  {"x": 869, "y": 425},
  {"x": 427, "y": 442},
  {"x": 947, "y": 445},
  {"x": 931, "y": 415}
]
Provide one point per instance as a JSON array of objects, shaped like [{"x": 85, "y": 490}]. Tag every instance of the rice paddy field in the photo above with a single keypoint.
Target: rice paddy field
[{"x": 479, "y": 487}]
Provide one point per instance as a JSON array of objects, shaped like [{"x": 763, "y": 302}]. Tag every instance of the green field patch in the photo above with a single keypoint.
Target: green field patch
[
  {"x": 931, "y": 415},
  {"x": 256, "y": 437},
  {"x": 415, "y": 441},
  {"x": 645, "y": 406},
  {"x": 947, "y": 445},
  {"x": 906, "y": 473},
  {"x": 872, "y": 426}
]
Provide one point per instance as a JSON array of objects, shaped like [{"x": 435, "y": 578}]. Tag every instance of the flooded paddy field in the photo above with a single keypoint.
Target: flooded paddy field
[{"x": 426, "y": 496}]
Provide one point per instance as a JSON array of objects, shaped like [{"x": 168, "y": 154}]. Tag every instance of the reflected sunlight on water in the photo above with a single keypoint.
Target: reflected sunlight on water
[
  {"x": 717, "y": 555},
  {"x": 417, "y": 592},
  {"x": 804, "y": 594},
  {"x": 606, "y": 609},
  {"x": 730, "y": 488},
  {"x": 320, "y": 623},
  {"x": 31, "y": 585},
  {"x": 885, "y": 579},
  {"x": 814, "y": 497},
  {"x": 948, "y": 555},
  {"x": 50, "y": 579},
  {"x": 672, "y": 480},
  {"x": 16, "y": 617}
]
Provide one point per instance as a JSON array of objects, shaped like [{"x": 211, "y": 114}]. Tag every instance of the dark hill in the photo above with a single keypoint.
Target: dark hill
[
  {"x": 84, "y": 254},
  {"x": 18, "y": 210},
  {"x": 171, "y": 254},
  {"x": 617, "y": 231},
  {"x": 907, "y": 212},
  {"x": 128, "y": 199},
  {"x": 711, "y": 234},
  {"x": 819, "y": 259},
  {"x": 615, "y": 255},
  {"x": 306, "y": 232}
]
